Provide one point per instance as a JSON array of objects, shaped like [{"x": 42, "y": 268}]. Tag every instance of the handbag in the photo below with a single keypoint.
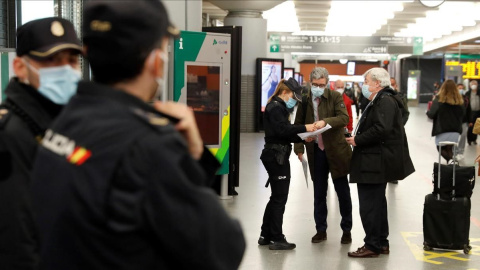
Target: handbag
[
  {"x": 476, "y": 127},
  {"x": 464, "y": 181}
]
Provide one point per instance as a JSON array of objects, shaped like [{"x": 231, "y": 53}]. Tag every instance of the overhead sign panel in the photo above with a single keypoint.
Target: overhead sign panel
[{"x": 288, "y": 43}]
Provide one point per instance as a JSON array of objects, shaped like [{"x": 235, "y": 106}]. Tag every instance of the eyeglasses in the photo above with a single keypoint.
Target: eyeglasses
[{"x": 319, "y": 85}]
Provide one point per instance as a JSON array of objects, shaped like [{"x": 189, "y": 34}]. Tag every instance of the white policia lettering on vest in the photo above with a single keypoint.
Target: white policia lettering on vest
[
  {"x": 64, "y": 146},
  {"x": 58, "y": 144}
]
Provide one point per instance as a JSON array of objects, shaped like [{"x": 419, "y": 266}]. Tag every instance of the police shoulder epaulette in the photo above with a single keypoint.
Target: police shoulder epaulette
[
  {"x": 151, "y": 118},
  {"x": 4, "y": 116},
  {"x": 272, "y": 105}
]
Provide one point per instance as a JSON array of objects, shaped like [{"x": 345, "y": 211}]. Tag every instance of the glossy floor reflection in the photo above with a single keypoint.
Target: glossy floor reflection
[{"x": 405, "y": 206}]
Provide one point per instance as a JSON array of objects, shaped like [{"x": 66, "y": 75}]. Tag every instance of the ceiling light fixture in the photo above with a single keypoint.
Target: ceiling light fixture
[
  {"x": 343, "y": 61},
  {"x": 434, "y": 25},
  {"x": 282, "y": 18},
  {"x": 432, "y": 3}
]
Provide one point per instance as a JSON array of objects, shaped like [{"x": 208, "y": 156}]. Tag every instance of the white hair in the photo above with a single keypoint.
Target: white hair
[{"x": 379, "y": 75}]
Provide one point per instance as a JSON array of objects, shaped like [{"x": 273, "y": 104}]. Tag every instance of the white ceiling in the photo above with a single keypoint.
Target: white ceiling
[{"x": 313, "y": 16}]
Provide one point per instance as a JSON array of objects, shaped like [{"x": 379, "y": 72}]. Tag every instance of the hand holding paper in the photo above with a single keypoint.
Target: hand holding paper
[{"x": 305, "y": 135}]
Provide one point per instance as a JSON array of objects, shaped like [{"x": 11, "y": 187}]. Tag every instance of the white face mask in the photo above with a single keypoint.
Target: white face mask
[
  {"x": 473, "y": 86},
  {"x": 340, "y": 90}
]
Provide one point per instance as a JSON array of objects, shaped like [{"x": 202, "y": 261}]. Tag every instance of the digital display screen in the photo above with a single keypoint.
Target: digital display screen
[
  {"x": 412, "y": 87},
  {"x": 296, "y": 76},
  {"x": 351, "y": 68},
  {"x": 271, "y": 74},
  {"x": 288, "y": 73}
]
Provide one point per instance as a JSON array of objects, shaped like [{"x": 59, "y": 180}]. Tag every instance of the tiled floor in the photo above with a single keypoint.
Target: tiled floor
[{"x": 405, "y": 206}]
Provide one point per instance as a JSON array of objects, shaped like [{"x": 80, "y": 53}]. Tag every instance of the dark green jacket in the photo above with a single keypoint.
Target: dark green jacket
[{"x": 332, "y": 110}]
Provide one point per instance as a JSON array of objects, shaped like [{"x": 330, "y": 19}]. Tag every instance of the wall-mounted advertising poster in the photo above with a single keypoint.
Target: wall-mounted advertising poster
[
  {"x": 288, "y": 73},
  {"x": 296, "y": 76},
  {"x": 270, "y": 74},
  {"x": 413, "y": 84}
]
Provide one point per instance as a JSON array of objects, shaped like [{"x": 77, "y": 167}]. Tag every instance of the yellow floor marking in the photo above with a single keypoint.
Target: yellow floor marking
[{"x": 430, "y": 256}]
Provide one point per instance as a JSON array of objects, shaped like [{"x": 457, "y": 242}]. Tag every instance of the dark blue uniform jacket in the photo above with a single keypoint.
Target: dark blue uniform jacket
[
  {"x": 116, "y": 188},
  {"x": 24, "y": 116}
]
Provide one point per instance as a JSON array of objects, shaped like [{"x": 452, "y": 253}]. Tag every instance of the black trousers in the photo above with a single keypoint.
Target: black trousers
[
  {"x": 279, "y": 178},
  {"x": 373, "y": 212},
  {"x": 470, "y": 136},
  {"x": 320, "y": 188}
]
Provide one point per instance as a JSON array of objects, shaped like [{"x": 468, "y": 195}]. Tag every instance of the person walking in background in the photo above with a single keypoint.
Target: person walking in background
[
  {"x": 46, "y": 75},
  {"x": 403, "y": 97},
  {"x": 119, "y": 182},
  {"x": 340, "y": 88},
  {"x": 380, "y": 154},
  {"x": 447, "y": 112},
  {"x": 279, "y": 134},
  {"x": 465, "y": 123},
  {"x": 354, "y": 93},
  {"x": 473, "y": 96},
  {"x": 327, "y": 153}
]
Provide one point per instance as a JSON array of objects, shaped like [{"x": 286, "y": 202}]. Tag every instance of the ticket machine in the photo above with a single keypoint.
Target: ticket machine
[{"x": 201, "y": 79}]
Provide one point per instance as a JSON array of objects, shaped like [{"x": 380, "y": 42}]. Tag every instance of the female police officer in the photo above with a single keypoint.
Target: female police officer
[{"x": 279, "y": 133}]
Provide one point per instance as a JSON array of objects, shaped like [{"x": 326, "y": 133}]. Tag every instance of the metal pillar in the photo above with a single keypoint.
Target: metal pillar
[{"x": 72, "y": 10}]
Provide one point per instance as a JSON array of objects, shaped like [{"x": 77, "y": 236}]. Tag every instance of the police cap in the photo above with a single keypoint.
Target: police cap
[
  {"x": 42, "y": 38},
  {"x": 296, "y": 88},
  {"x": 125, "y": 28}
]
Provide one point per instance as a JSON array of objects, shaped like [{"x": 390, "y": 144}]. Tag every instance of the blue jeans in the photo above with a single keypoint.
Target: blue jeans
[{"x": 320, "y": 187}]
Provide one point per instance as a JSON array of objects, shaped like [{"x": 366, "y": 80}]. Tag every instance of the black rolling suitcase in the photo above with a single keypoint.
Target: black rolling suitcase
[{"x": 446, "y": 222}]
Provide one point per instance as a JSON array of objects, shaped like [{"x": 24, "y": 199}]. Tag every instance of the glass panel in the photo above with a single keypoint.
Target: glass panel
[
  {"x": 203, "y": 95},
  {"x": 32, "y": 10}
]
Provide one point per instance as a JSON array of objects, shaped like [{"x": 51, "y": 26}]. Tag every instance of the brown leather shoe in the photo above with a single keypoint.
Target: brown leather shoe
[
  {"x": 319, "y": 237},
  {"x": 385, "y": 250},
  {"x": 346, "y": 238},
  {"x": 363, "y": 252}
]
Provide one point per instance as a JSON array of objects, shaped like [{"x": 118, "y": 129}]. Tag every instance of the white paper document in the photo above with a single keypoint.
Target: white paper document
[{"x": 305, "y": 135}]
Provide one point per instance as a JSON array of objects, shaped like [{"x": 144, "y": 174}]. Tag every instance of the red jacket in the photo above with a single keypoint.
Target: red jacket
[{"x": 348, "y": 104}]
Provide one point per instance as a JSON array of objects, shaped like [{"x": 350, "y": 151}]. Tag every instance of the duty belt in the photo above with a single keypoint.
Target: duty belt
[{"x": 277, "y": 146}]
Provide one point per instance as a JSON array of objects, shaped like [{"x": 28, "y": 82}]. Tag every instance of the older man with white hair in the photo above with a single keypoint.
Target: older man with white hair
[{"x": 380, "y": 154}]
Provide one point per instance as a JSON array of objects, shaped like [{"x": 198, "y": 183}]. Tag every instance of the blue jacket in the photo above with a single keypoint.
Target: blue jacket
[{"x": 116, "y": 188}]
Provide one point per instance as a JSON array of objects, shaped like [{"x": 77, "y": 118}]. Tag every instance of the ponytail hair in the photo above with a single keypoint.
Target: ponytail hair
[{"x": 280, "y": 88}]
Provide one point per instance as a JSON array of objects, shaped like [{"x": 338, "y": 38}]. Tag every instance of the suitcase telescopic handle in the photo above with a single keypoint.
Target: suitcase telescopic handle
[{"x": 440, "y": 144}]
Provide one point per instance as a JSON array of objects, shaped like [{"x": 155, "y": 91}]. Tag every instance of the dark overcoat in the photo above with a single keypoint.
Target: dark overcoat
[{"x": 381, "y": 153}]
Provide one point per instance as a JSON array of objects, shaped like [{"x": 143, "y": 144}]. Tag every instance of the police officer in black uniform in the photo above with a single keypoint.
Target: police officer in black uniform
[
  {"x": 279, "y": 134},
  {"x": 118, "y": 184},
  {"x": 46, "y": 75}
]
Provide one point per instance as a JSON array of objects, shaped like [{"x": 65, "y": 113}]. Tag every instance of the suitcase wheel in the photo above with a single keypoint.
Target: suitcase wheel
[
  {"x": 466, "y": 249},
  {"x": 426, "y": 247}
]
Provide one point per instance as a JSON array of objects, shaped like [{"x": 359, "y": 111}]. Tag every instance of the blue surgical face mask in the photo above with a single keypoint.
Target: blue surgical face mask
[
  {"x": 462, "y": 92},
  {"x": 291, "y": 103},
  {"x": 365, "y": 91},
  {"x": 317, "y": 91},
  {"x": 58, "y": 84}
]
